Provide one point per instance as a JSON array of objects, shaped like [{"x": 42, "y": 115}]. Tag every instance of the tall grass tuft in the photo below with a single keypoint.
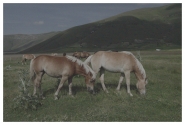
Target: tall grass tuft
[{"x": 25, "y": 100}]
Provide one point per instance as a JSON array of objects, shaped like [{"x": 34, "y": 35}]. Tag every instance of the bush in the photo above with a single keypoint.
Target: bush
[{"x": 25, "y": 100}]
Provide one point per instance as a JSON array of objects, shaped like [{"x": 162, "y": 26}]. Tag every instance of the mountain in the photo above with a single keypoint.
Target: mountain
[
  {"x": 20, "y": 42},
  {"x": 166, "y": 14},
  {"x": 148, "y": 28}
]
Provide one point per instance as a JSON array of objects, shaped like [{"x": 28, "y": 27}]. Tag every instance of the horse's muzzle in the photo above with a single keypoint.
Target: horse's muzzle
[
  {"x": 90, "y": 90},
  {"x": 142, "y": 92}
]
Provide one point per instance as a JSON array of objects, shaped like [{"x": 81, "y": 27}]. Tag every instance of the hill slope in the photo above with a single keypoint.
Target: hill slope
[
  {"x": 166, "y": 14},
  {"x": 138, "y": 29},
  {"x": 20, "y": 42}
]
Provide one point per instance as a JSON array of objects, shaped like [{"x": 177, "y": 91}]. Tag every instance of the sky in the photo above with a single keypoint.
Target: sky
[{"x": 43, "y": 18}]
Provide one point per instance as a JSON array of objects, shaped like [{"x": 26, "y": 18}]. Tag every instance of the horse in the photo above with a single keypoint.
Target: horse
[
  {"x": 63, "y": 68},
  {"x": 119, "y": 62},
  {"x": 27, "y": 57}
]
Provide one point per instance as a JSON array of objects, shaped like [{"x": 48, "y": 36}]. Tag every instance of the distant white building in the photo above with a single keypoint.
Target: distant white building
[{"x": 158, "y": 49}]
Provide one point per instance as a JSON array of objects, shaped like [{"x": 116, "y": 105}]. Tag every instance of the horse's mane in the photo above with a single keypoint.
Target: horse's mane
[
  {"x": 141, "y": 69},
  {"x": 79, "y": 62}
]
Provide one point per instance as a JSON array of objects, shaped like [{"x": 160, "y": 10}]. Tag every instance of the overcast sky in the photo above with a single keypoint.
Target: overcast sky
[{"x": 43, "y": 18}]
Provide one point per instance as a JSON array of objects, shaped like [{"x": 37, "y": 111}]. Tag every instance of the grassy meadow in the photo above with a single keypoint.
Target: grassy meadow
[{"x": 162, "y": 102}]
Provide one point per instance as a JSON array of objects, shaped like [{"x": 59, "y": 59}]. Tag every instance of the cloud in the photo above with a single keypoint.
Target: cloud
[{"x": 38, "y": 22}]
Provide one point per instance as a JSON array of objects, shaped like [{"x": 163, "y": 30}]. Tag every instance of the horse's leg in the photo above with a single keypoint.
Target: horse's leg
[
  {"x": 63, "y": 79},
  {"x": 102, "y": 72},
  {"x": 120, "y": 81},
  {"x": 70, "y": 86},
  {"x": 37, "y": 84},
  {"x": 96, "y": 66},
  {"x": 34, "y": 88},
  {"x": 127, "y": 76}
]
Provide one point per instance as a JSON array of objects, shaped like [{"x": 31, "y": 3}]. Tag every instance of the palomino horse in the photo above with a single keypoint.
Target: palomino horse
[
  {"x": 63, "y": 68},
  {"x": 27, "y": 57},
  {"x": 122, "y": 62}
]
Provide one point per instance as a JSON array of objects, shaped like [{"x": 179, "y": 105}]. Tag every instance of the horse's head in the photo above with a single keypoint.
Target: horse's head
[
  {"x": 90, "y": 81},
  {"x": 141, "y": 86}
]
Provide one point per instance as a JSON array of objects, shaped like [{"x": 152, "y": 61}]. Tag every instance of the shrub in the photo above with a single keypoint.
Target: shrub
[{"x": 25, "y": 100}]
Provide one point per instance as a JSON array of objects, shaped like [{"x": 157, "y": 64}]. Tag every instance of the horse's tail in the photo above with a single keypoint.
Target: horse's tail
[
  {"x": 32, "y": 73},
  {"x": 88, "y": 60}
]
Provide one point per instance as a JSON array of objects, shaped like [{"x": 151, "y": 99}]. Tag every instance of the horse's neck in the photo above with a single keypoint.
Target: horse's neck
[
  {"x": 81, "y": 71},
  {"x": 139, "y": 72},
  {"x": 139, "y": 76}
]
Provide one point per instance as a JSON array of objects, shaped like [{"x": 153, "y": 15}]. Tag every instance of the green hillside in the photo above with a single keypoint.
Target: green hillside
[
  {"x": 165, "y": 14},
  {"x": 20, "y": 42},
  {"x": 148, "y": 28}
]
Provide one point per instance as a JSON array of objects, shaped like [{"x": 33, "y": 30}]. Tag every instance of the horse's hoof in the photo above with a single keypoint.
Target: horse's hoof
[
  {"x": 56, "y": 98},
  {"x": 72, "y": 96},
  {"x": 107, "y": 91},
  {"x": 118, "y": 89}
]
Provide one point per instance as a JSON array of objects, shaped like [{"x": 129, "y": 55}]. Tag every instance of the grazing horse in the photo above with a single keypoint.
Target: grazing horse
[
  {"x": 27, "y": 57},
  {"x": 63, "y": 68},
  {"x": 120, "y": 62}
]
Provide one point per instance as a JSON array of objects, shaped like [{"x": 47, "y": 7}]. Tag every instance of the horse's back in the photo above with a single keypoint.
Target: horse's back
[
  {"x": 113, "y": 61},
  {"x": 113, "y": 56},
  {"x": 50, "y": 60},
  {"x": 52, "y": 65}
]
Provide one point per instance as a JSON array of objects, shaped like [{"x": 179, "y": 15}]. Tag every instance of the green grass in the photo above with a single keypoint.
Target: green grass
[{"x": 162, "y": 102}]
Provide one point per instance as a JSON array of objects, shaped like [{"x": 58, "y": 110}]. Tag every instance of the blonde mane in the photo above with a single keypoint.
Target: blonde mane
[
  {"x": 86, "y": 67},
  {"x": 140, "y": 67}
]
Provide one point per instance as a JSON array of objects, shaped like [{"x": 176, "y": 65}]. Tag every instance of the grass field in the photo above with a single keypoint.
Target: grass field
[{"x": 162, "y": 102}]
